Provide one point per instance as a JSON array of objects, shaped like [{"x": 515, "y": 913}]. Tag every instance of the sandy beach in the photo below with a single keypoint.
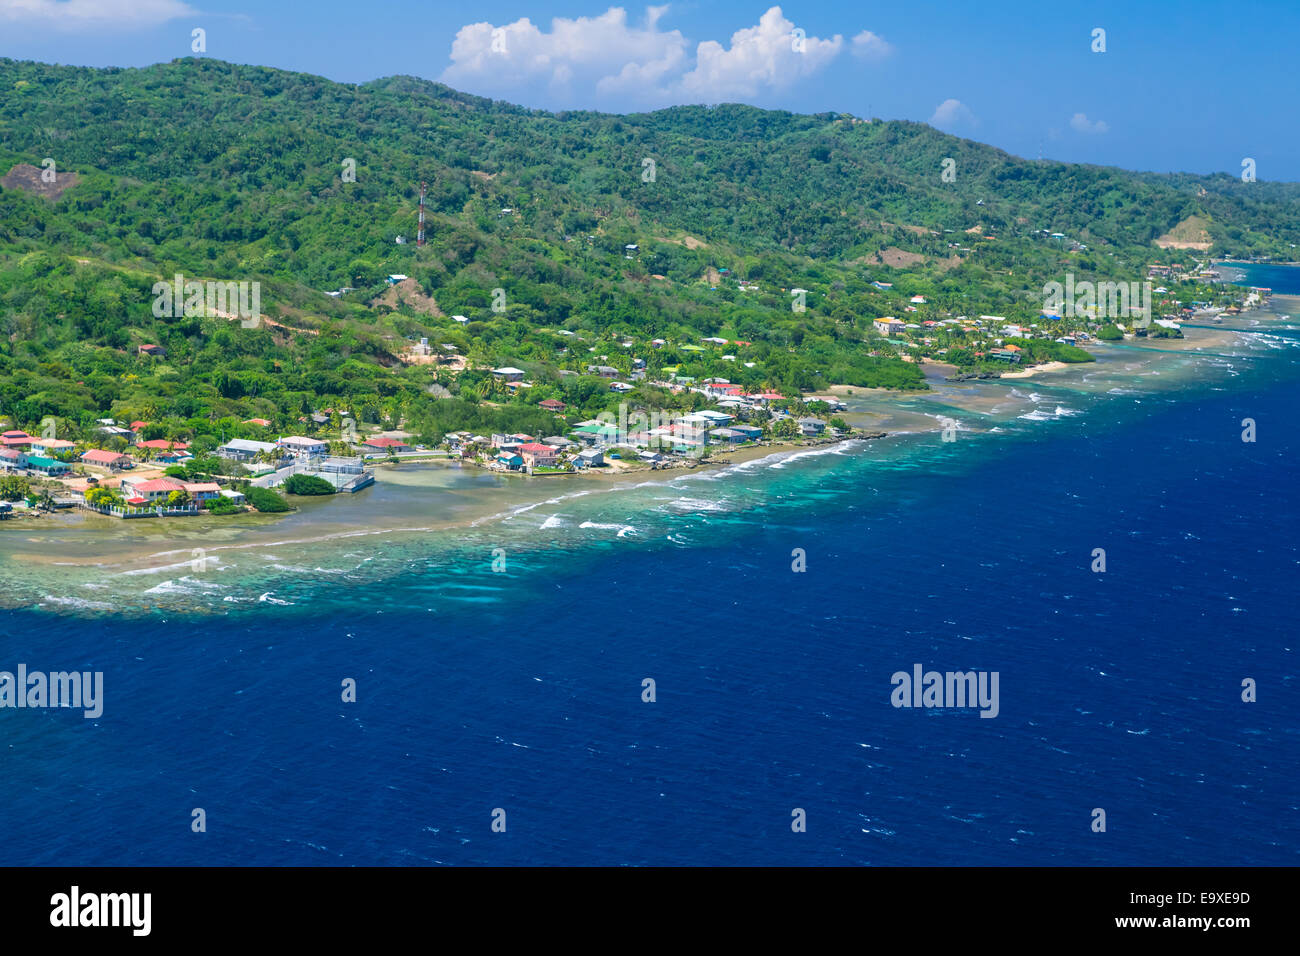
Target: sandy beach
[{"x": 1033, "y": 370}]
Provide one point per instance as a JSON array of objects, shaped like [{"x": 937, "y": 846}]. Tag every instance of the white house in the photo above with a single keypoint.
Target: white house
[{"x": 301, "y": 447}]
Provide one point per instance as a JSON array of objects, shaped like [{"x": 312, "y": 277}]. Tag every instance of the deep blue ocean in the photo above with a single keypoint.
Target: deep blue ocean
[{"x": 523, "y": 691}]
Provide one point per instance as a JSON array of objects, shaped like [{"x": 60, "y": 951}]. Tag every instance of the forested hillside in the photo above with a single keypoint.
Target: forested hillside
[{"x": 236, "y": 173}]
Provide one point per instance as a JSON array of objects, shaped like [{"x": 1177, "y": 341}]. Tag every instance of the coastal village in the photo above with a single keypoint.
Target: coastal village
[
  {"x": 142, "y": 469},
  {"x": 123, "y": 474},
  {"x": 137, "y": 469}
]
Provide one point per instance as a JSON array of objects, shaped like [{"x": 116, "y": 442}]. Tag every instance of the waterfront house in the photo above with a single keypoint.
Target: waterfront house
[
  {"x": 727, "y": 436},
  {"x": 236, "y": 496},
  {"x": 141, "y": 492},
  {"x": 112, "y": 460},
  {"x": 303, "y": 448},
  {"x": 202, "y": 490},
  {"x": 384, "y": 445},
  {"x": 244, "y": 449},
  {"x": 590, "y": 456},
  {"x": 341, "y": 466},
  {"x": 811, "y": 427},
  {"x": 510, "y": 461},
  {"x": 1008, "y": 354},
  {"x": 537, "y": 455},
  {"x": 748, "y": 432}
]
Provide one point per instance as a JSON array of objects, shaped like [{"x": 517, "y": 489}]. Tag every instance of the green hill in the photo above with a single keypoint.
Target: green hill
[{"x": 236, "y": 173}]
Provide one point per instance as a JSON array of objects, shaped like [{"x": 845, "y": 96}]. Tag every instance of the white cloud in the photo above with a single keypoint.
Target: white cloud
[
  {"x": 767, "y": 55},
  {"x": 643, "y": 64},
  {"x": 869, "y": 46},
  {"x": 952, "y": 114},
  {"x": 73, "y": 15},
  {"x": 1080, "y": 123},
  {"x": 603, "y": 52}
]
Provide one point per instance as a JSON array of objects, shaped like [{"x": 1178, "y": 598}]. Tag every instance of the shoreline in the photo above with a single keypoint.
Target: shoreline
[
  {"x": 435, "y": 498},
  {"x": 125, "y": 556}
]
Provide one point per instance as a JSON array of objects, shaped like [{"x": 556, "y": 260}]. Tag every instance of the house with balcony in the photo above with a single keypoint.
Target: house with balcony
[
  {"x": 538, "y": 455},
  {"x": 52, "y": 447},
  {"x": 303, "y": 448},
  {"x": 811, "y": 427},
  {"x": 138, "y": 492}
]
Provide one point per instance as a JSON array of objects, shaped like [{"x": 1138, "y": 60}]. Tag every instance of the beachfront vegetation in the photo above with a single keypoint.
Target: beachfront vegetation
[
  {"x": 13, "y": 488},
  {"x": 307, "y": 485},
  {"x": 266, "y": 500}
]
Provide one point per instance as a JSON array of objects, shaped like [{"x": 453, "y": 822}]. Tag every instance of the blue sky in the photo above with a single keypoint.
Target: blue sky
[{"x": 1182, "y": 85}]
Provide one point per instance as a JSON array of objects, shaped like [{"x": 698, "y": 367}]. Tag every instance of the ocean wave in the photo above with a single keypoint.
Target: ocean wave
[
  {"x": 623, "y": 529},
  {"x": 78, "y": 602},
  {"x": 295, "y": 569},
  {"x": 696, "y": 504},
  {"x": 185, "y": 585},
  {"x": 554, "y": 521},
  {"x": 1039, "y": 415},
  {"x": 787, "y": 458}
]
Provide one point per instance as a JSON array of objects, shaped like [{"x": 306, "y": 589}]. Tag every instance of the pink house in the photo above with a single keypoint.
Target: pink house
[{"x": 537, "y": 455}]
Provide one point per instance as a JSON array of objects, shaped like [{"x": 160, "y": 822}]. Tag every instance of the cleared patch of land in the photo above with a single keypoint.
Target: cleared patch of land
[
  {"x": 1191, "y": 233},
  {"x": 28, "y": 178}
]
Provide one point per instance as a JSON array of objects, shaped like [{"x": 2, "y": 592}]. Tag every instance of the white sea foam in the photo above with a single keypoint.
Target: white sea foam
[
  {"x": 554, "y": 521},
  {"x": 1040, "y": 415},
  {"x": 185, "y": 585},
  {"x": 810, "y": 453},
  {"x": 696, "y": 504},
  {"x": 296, "y": 569},
  {"x": 79, "y": 602},
  {"x": 623, "y": 529}
]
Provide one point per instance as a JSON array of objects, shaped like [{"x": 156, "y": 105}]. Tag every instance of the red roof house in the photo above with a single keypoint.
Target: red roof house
[{"x": 386, "y": 444}]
